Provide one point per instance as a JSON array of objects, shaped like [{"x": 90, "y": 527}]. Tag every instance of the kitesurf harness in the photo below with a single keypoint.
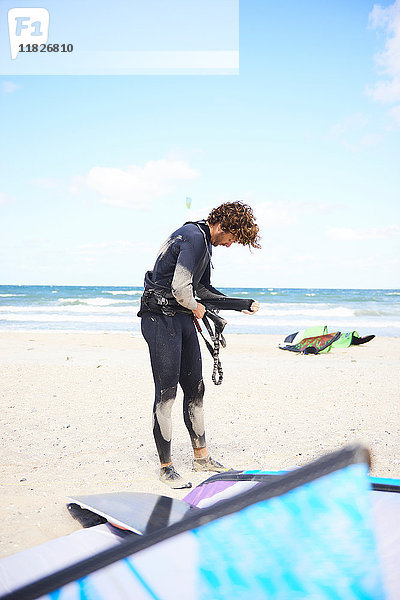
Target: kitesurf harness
[{"x": 159, "y": 300}]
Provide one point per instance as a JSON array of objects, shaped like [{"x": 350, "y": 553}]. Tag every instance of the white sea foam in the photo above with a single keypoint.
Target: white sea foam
[
  {"x": 299, "y": 310},
  {"x": 96, "y": 309},
  {"x": 370, "y": 313},
  {"x": 11, "y": 295},
  {"x": 124, "y": 292},
  {"x": 262, "y": 322},
  {"x": 93, "y": 301},
  {"x": 67, "y": 318},
  {"x": 70, "y": 308}
]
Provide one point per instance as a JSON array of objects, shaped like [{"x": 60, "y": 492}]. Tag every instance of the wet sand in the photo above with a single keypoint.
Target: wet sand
[{"x": 76, "y": 418}]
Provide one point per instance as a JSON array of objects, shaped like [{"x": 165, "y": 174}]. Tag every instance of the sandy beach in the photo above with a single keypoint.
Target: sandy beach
[{"x": 76, "y": 418}]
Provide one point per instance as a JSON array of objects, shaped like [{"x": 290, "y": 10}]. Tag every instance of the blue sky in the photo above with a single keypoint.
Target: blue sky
[{"x": 94, "y": 170}]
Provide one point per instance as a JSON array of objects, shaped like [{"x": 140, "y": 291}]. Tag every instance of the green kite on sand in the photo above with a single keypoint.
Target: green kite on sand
[{"x": 315, "y": 340}]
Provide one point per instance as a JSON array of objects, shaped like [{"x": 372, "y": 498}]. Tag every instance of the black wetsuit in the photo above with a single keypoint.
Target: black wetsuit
[{"x": 182, "y": 270}]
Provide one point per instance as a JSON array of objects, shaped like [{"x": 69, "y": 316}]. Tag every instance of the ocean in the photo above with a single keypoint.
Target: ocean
[{"x": 283, "y": 310}]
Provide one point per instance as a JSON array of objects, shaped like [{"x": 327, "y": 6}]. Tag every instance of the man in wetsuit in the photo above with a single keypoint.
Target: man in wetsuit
[{"x": 181, "y": 272}]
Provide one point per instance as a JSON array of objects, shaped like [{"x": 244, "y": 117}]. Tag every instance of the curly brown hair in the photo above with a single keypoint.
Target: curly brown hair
[{"x": 238, "y": 219}]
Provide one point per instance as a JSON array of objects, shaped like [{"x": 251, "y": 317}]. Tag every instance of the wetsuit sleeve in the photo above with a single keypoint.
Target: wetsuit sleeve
[
  {"x": 205, "y": 290},
  {"x": 182, "y": 281}
]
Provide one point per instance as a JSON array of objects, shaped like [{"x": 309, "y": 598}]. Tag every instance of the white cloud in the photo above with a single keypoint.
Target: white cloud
[
  {"x": 351, "y": 134},
  {"x": 355, "y": 122},
  {"x": 388, "y": 60},
  {"x": 45, "y": 182},
  {"x": 375, "y": 264},
  {"x": 4, "y": 199},
  {"x": 369, "y": 140},
  {"x": 8, "y": 87},
  {"x": 77, "y": 184},
  {"x": 90, "y": 253},
  {"x": 117, "y": 251},
  {"x": 285, "y": 213},
  {"x": 348, "y": 234},
  {"x": 138, "y": 186},
  {"x": 116, "y": 245},
  {"x": 395, "y": 113},
  {"x": 271, "y": 214},
  {"x": 303, "y": 258},
  {"x": 386, "y": 92}
]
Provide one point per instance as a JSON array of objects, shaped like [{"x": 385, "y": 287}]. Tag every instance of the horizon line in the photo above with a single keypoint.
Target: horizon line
[{"x": 222, "y": 287}]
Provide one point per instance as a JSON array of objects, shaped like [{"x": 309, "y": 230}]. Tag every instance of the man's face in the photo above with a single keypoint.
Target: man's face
[{"x": 221, "y": 238}]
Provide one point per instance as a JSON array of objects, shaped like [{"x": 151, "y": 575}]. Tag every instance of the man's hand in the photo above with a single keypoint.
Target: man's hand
[
  {"x": 200, "y": 311},
  {"x": 253, "y": 309}
]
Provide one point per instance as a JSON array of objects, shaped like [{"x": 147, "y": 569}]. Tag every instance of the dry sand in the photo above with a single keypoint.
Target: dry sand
[{"x": 76, "y": 418}]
